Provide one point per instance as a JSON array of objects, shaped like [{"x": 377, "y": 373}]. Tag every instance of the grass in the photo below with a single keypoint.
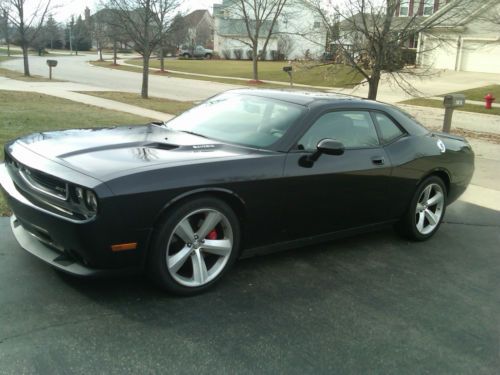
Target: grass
[
  {"x": 422, "y": 102},
  {"x": 479, "y": 93},
  {"x": 173, "y": 107},
  {"x": 306, "y": 74},
  {"x": 25, "y": 113},
  {"x": 12, "y": 74},
  {"x": 138, "y": 69}
]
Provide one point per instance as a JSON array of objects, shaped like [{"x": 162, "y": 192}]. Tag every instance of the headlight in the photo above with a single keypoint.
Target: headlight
[{"x": 91, "y": 200}]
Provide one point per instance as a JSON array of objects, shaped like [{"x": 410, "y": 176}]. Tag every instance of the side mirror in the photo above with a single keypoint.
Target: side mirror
[
  {"x": 326, "y": 146},
  {"x": 330, "y": 147}
]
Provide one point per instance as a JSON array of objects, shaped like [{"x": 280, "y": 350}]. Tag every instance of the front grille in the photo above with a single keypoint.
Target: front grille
[
  {"x": 39, "y": 181},
  {"x": 45, "y": 183}
]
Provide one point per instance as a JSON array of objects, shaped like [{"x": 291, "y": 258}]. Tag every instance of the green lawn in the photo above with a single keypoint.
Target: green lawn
[
  {"x": 479, "y": 93},
  {"x": 423, "y": 102},
  {"x": 326, "y": 75},
  {"x": 173, "y": 107},
  {"x": 24, "y": 113},
  {"x": 138, "y": 69}
]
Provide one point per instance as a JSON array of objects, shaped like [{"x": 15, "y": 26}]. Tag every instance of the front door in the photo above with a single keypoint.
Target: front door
[{"x": 337, "y": 192}]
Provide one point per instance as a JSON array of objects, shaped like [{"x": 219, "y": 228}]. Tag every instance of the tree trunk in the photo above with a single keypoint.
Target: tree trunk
[
  {"x": 145, "y": 74},
  {"x": 114, "y": 52},
  {"x": 373, "y": 85},
  {"x": 100, "y": 53},
  {"x": 255, "y": 58},
  {"x": 25, "y": 60},
  {"x": 162, "y": 59},
  {"x": 8, "y": 48}
]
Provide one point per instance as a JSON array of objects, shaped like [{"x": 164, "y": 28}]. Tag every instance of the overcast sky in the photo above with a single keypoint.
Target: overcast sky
[{"x": 65, "y": 9}]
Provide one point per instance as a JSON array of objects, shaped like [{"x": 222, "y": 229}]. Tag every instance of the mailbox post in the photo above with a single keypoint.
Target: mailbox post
[
  {"x": 289, "y": 71},
  {"x": 450, "y": 103},
  {"x": 51, "y": 64}
]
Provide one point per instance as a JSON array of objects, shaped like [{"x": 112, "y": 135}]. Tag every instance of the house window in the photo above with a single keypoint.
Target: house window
[
  {"x": 404, "y": 8},
  {"x": 428, "y": 7}
]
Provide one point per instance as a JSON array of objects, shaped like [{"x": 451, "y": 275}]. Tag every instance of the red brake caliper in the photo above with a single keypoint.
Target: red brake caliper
[{"x": 212, "y": 235}]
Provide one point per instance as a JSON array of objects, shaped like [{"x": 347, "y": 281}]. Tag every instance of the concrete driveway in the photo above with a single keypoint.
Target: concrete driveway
[
  {"x": 372, "y": 304},
  {"x": 77, "y": 69}
]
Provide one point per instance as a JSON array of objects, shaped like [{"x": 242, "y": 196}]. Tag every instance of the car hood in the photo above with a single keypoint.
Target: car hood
[{"x": 111, "y": 152}]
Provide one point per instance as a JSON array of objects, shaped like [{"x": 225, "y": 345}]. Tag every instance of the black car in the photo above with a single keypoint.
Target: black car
[{"x": 244, "y": 172}]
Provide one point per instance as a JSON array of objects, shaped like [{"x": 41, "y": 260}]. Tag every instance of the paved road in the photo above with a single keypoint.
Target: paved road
[{"x": 76, "y": 69}]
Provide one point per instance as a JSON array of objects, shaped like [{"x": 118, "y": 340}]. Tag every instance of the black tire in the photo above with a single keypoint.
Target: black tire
[
  {"x": 408, "y": 224},
  {"x": 208, "y": 56},
  {"x": 186, "y": 56},
  {"x": 164, "y": 239}
]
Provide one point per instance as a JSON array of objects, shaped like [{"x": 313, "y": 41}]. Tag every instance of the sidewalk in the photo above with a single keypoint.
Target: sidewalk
[
  {"x": 69, "y": 90},
  {"x": 434, "y": 117}
]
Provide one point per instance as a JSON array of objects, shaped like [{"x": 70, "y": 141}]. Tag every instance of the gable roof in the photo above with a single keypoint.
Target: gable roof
[{"x": 195, "y": 17}]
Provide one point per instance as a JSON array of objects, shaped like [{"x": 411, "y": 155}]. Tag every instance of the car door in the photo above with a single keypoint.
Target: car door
[{"x": 337, "y": 192}]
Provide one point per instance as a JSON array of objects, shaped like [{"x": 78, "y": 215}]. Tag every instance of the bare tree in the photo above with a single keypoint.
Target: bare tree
[
  {"x": 5, "y": 30},
  {"x": 259, "y": 18},
  {"x": 26, "y": 22},
  {"x": 368, "y": 35},
  {"x": 145, "y": 22}
]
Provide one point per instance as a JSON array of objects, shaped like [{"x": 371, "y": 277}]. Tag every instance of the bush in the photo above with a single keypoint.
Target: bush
[
  {"x": 262, "y": 55},
  {"x": 238, "y": 53},
  {"x": 249, "y": 54},
  {"x": 226, "y": 54},
  {"x": 277, "y": 56}
]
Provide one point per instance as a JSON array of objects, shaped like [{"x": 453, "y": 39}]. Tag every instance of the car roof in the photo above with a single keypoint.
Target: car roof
[
  {"x": 299, "y": 97},
  {"x": 326, "y": 100}
]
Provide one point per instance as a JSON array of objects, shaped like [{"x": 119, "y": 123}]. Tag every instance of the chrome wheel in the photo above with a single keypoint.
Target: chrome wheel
[
  {"x": 429, "y": 210},
  {"x": 199, "y": 247}
]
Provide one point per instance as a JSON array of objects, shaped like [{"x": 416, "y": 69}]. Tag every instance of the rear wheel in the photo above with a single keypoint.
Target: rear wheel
[
  {"x": 426, "y": 210},
  {"x": 186, "y": 55},
  {"x": 195, "y": 246},
  {"x": 208, "y": 56}
]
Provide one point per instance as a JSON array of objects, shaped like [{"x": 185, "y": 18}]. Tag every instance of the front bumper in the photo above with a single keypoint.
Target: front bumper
[
  {"x": 79, "y": 248},
  {"x": 50, "y": 254}
]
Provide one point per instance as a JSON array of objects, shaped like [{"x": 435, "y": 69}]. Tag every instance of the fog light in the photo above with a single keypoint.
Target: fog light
[{"x": 91, "y": 201}]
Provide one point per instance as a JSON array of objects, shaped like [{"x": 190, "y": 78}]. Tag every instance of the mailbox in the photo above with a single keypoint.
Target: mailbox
[
  {"x": 287, "y": 69},
  {"x": 451, "y": 102},
  {"x": 52, "y": 63},
  {"x": 454, "y": 101}
]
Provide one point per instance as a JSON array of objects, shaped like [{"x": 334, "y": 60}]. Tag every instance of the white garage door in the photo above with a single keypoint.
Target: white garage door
[
  {"x": 480, "y": 57},
  {"x": 440, "y": 54}
]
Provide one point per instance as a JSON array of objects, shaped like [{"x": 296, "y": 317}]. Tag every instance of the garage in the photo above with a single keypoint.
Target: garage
[
  {"x": 480, "y": 56},
  {"x": 439, "y": 54}
]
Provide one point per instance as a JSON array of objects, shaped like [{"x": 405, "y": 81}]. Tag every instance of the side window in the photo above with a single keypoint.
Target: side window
[
  {"x": 388, "y": 129},
  {"x": 354, "y": 129}
]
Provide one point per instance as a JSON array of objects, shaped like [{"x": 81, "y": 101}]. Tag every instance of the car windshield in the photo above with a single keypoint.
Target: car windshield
[{"x": 242, "y": 119}]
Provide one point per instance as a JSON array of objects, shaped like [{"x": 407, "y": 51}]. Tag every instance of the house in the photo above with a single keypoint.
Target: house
[
  {"x": 419, "y": 10},
  {"x": 298, "y": 33},
  {"x": 464, "y": 41},
  {"x": 200, "y": 28}
]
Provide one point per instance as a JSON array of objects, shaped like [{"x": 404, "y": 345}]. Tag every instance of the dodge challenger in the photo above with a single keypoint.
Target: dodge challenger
[{"x": 244, "y": 172}]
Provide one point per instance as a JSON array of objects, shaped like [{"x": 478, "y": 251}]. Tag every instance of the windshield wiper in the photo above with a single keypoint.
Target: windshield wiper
[{"x": 193, "y": 133}]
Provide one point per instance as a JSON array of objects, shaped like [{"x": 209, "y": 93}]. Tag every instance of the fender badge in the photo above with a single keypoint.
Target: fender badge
[{"x": 441, "y": 146}]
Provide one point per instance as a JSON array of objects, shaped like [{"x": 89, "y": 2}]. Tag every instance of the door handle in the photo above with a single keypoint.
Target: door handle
[{"x": 378, "y": 160}]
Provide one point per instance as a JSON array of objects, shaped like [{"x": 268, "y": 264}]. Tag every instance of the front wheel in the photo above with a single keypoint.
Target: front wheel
[
  {"x": 195, "y": 246},
  {"x": 426, "y": 210}
]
